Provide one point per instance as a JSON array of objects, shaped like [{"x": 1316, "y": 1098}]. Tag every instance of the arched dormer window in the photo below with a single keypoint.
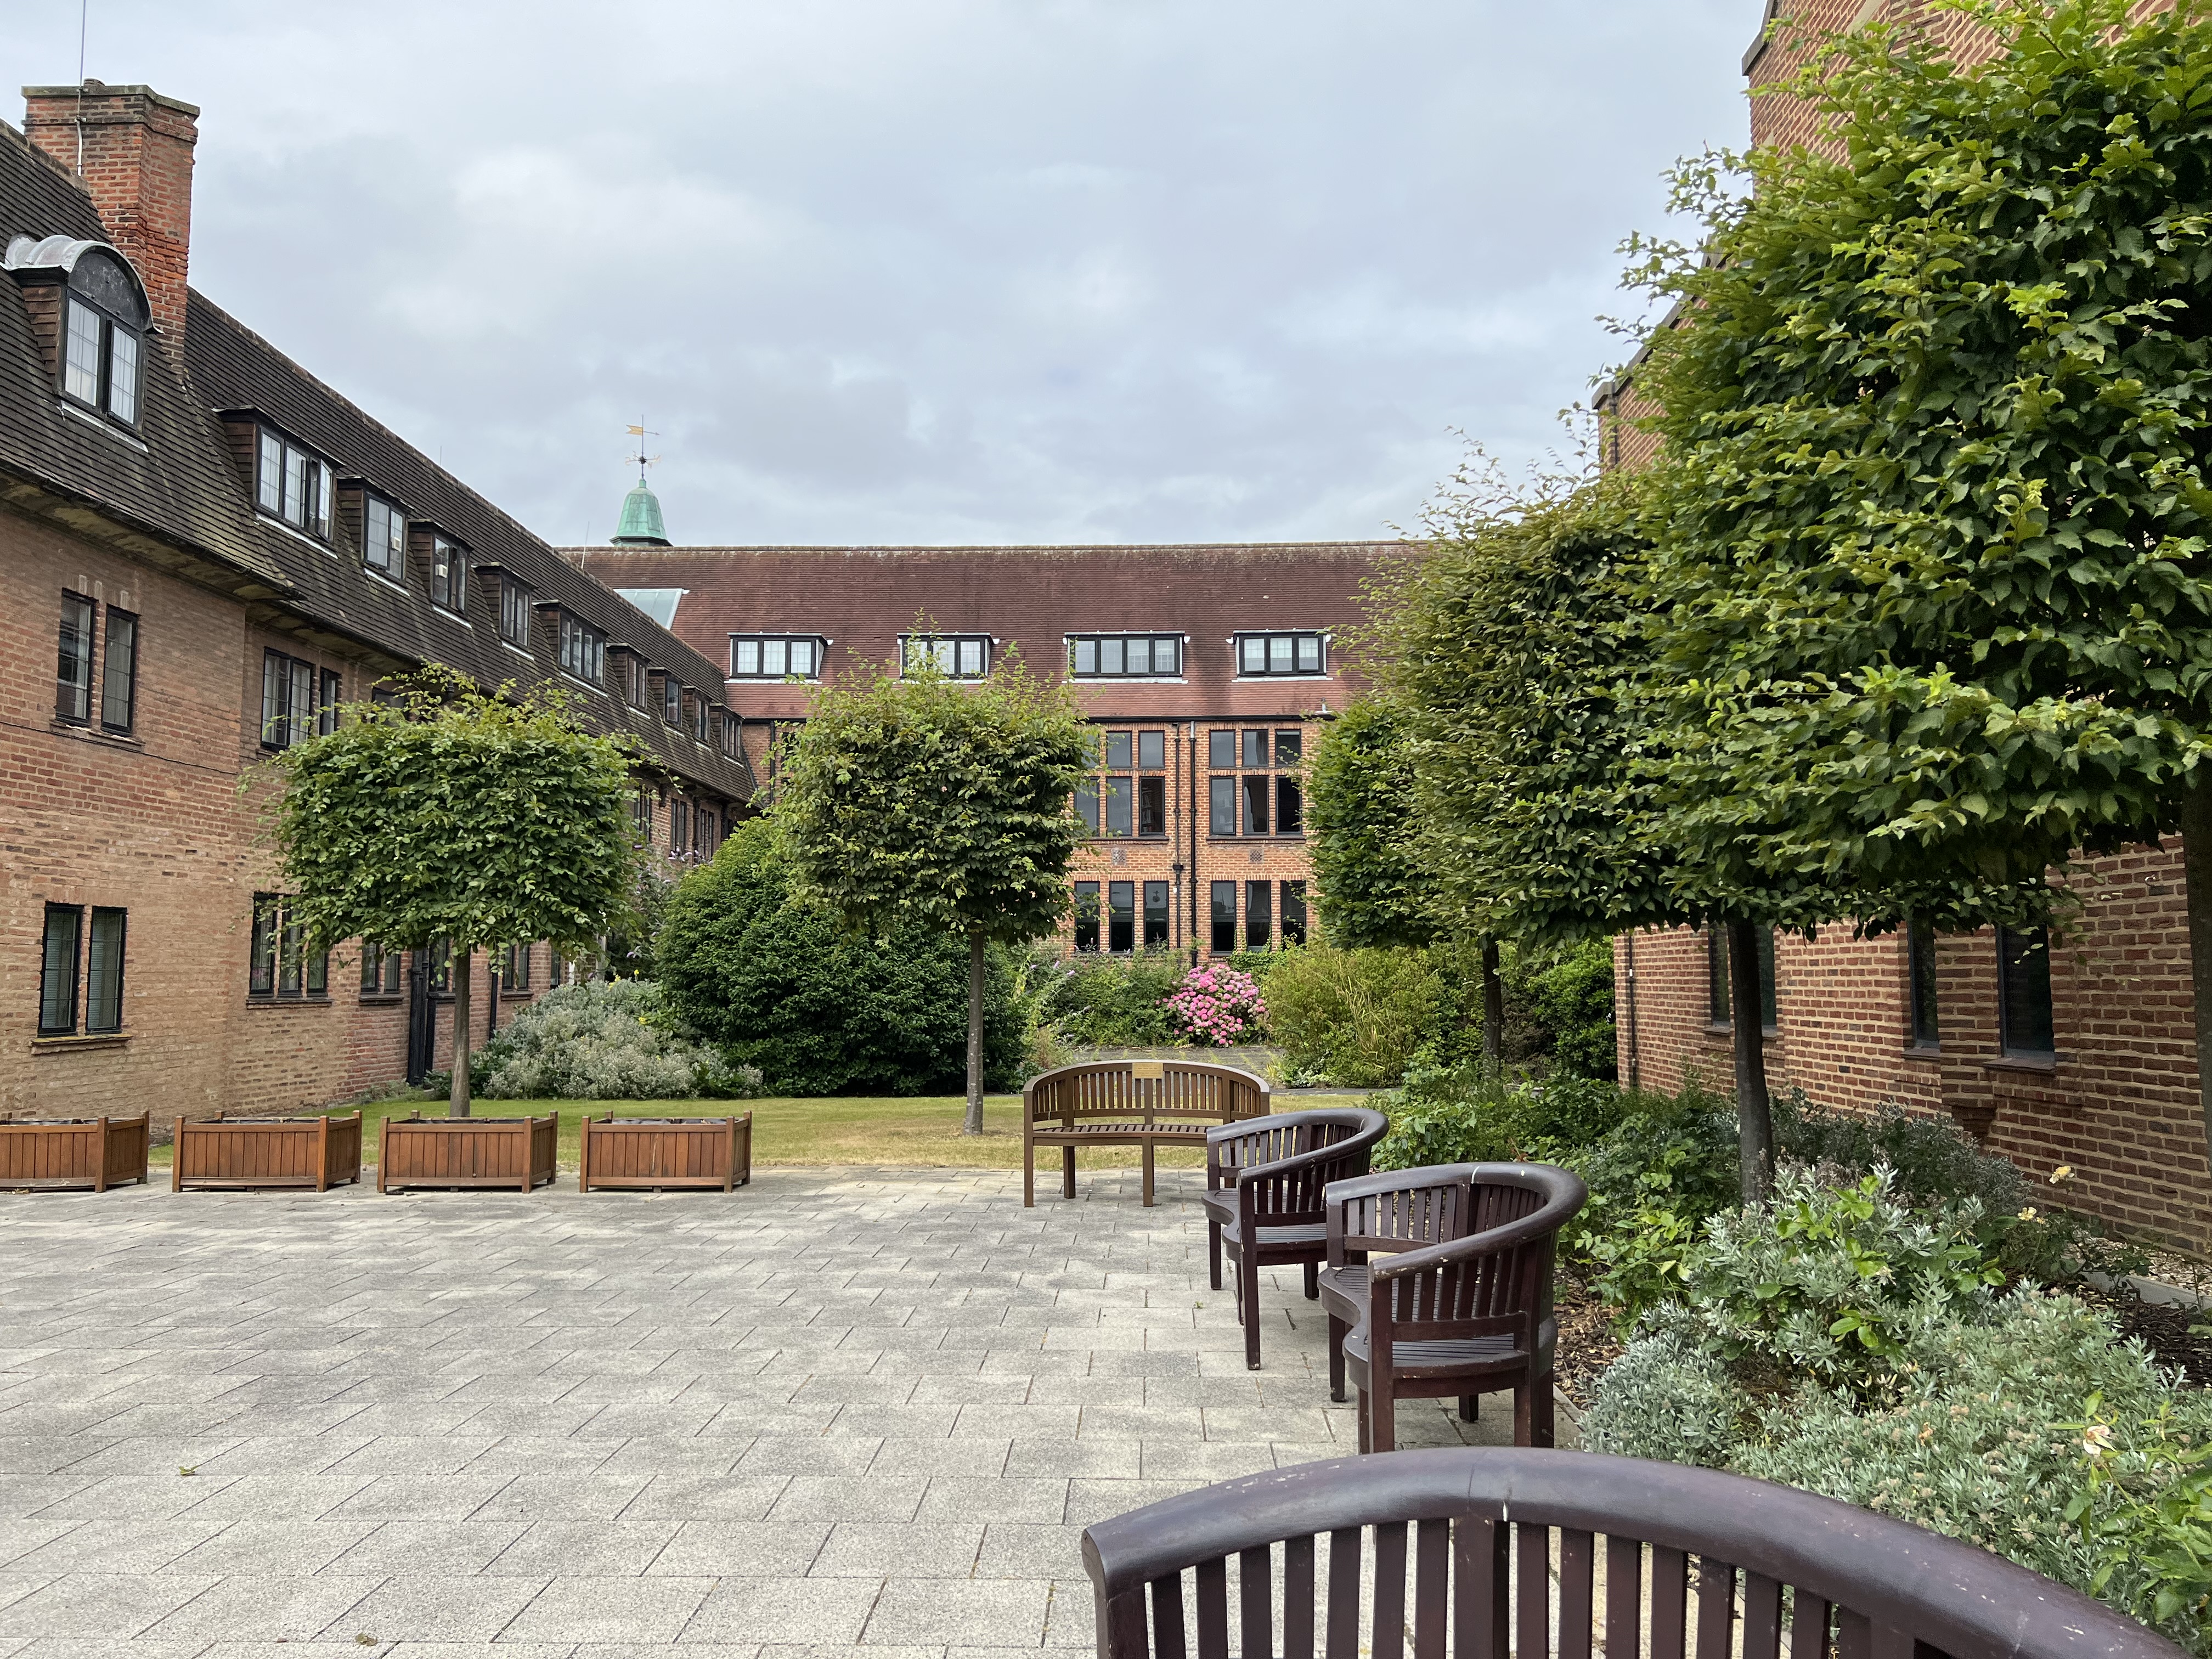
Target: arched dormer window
[{"x": 102, "y": 348}]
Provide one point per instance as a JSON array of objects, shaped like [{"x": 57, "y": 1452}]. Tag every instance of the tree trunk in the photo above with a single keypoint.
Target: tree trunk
[
  {"x": 1493, "y": 1011},
  {"x": 2196, "y": 863},
  {"x": 1754, "y": 1112},
  {"x": 458, "y": 1101},
  {"x": 974, "y": 1123}
]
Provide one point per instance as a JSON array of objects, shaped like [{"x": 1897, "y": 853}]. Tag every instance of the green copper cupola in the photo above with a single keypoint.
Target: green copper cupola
[{"x": 640, "y": 525}]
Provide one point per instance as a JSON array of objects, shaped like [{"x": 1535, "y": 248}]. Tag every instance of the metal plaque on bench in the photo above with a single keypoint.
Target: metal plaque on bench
[{"x": 1151, "y": 1070}]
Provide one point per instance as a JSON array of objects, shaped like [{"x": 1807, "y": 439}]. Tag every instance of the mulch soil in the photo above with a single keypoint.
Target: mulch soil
[{"x": 1587, "y": 1344}]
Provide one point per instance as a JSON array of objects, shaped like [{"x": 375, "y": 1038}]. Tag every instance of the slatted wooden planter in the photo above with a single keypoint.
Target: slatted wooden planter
[
  {"x": 321, "y": 1153},
  {"x": 514, "y": 1152},
  {"x": 666, "y": 1152},
  {"x": 94, "y": 1152}
]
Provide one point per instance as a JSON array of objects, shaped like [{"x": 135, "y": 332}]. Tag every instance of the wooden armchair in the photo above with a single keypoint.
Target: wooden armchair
[
  {"x": 1466, "y": 1315},
  {"x": 1263, "y": 1201}
]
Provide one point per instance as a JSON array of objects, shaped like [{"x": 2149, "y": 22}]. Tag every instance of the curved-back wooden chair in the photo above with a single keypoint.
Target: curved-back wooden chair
[
  {"x": 1263, "y": 1199},
  {"x": 1459, "y": 1317},
  {"x": 1147, "y": 1104},
  {"x": 1381, "y": 1215},
  {"x": 1693, "y": 1561}
]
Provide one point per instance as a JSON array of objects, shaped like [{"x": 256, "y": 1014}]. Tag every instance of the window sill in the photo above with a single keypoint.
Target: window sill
[
  {"x": 318, "y": 999},
  {"x": 263, "y": 516},
  {"x": 2033, "y": 1065},
  {"x": 516, "y": 996},
  {"x": 99, "y": 423},
  {"x": 1929, "y": 1051},
  {"x": 1128, "y": 679},
  {"x": 1260, "y": 679},
  {"x": 74, "y": 1044},
  {"x": 93, "y": 734},
  {"x": 382, "y": 999},
  {"x": 398, "y": 585}
]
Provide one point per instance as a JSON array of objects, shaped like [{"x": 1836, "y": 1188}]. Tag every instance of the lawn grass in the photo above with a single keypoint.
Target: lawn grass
[{"x": 918, "y": 1131}]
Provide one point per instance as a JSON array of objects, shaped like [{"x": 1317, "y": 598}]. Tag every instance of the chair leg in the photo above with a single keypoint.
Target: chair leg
[
  {"x": 1382, "y": 1414},
  {"x": 1248, "y": 1265},
  {"x": 1544, "y": 1430},
  {"x": 1337, "y": 1332},
  {"x": 1213, "y": 1252},
  {"x": 1469, "y": 1404},
  {"x": 1029, "y": 1177},
  {"x": 1313, "y": 1281},
  {"x": 1361, "y": 1415},
  {"x": 1147, "y": 1156},
  {"x": 1067, "y": 1172},
  {"x": 1524, "y": 1400}
]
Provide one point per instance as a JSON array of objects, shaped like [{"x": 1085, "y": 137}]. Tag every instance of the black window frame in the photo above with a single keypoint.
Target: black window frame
[
  {"x": 128, "y": 672},
  {"x": 1121, "y": 751},
  {"x": 275, "y": 495},
  {"x": 1155, "y": 915},
  {"x": 1922, "y": 1008},
  {"x": 1222, "y": 917},
  {"x": 514, "y": 611},
  {"x": 1117, "y": 808},
  {"x": 1254, "y": 803},
  {"x": 1085, "y": 913},
  {"x": 1120, "y": 918},
  {"x": 1291, "y": 907},
  {"x": 1290, "y": 806},
  {"x": 1221, "y": 805},
  {"x": 817, "y": 647},
  {"x": 113, "y": 382},
  {"x": 1297, "y": 637},
  {"x": 986, "y": 644},
  {"x": 1253, "y": 750},
  {"x": 1718, "y": 1011},
  {"x": 393, "y": 566},
  {"x": 77, "y": 640},
  {"x": 381, "y": 970},
  {"x": 2023, "y": 982},
  {"x": 1152, "y": 807},
  {"x": 280, "y": 966},
  {"x": 671, "y": 701},
  {"x": 287, "y": 721},
  {"x": 109, "y": 1022},
  {"x": 583, "y": 650},
  {"x": 449, "y": 574},
  {"x": 514, "y": 969},
  {"x": 330, "y": 693},
  {"x": 1087, "y": 654},
  {"x": 1086, "y": 805},
  {"x": 1259, "y": 915},
  {"x": 1221, "y": 750},
  {"x": 1154, "y": 744},
  {"x": 63, "y": 978}
]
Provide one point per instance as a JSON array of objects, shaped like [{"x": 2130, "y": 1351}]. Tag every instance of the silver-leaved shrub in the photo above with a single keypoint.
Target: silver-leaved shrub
[{"x": 604, "y": 1041}]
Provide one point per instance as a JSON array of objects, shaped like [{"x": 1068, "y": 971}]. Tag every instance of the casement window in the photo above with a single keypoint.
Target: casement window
[
  {"x": 118, "y": 674},
  {"x": 1224, "y": 916},
  {"x": 641, "y": 813},
  {"x": 1156, "y": 915},
  {"x": 730, "y": 734},
  {"x": 1290, "y": 807},
  {"x": 1086, "y": 915},
  {"x": 1280, "y": 654},
  {"x": 282, "y": 968},
  {"x": 73, "y": 673},
  {"x": 1221, "y": 806},
  {"x": 298, "y": 699},
  {"x": 671, "y": 700},
  {"x": 698, "y": 719},
  {"x": 1294, "y": 912},
  {"x": 776, "y": 656},
  {"x": 1920, "y": 979},
  {"x": 1117, "y": 800},
  {"x": 1153, "y": 750},
  {"x": 1121, "y": 916},
  {"x": 1254, "y": 820},
  {"x": 449, "y": 574},
  {"x": 1124, "y": 656},
  {"x": 583, "y": 651},
  {"x": 441, "y": 968},
  {"x": 1086, "y": 804},
  {"x": 1221, "y": 750},
  {"x": 1119, "y": 751},
  {"x": 380, "y": 970},
  {"x": 2025, "y": 1027},
  {"x": 73, "y": 979},
  {"x": 1716, "y": 978},
  {"x": 1269, "y": 799},
  {"x": 514, "y": 968},
  {"x": 514, "y": 612},
  {"x": 1259, "y": 915},
  {"x": 679, "y": 826},
  {"x": 635, "y": 686},
  {"x": 1152, "y": 807},
  {"x": 384, "y": 538},
  {"x": 293, "y": 485},
  {"x": 706, "y": 830},
  {"x": 104, "y": 343},
  {"x": 955, "y": 656}
]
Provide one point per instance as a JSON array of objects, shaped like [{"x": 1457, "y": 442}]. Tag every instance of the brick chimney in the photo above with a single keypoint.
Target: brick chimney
[{"x": 133, "y": 149}]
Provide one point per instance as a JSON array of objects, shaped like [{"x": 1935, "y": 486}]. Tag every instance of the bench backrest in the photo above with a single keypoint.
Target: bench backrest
[{"x": 1185, "y": 1090}]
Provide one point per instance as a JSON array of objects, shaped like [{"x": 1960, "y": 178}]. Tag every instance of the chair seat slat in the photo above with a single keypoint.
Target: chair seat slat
[
  {"x": 1762, "y": 1617},
  {"x": 1809, "y": 1627},
  {"x": 1670, "y": 1602}
]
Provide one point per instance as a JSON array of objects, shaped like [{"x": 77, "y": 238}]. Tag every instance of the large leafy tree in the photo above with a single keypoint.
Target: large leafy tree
[
  {"x": 454, "y": 816},
  {"x": 1931, "y": 511},
  {"x": 916, "y": 798}
]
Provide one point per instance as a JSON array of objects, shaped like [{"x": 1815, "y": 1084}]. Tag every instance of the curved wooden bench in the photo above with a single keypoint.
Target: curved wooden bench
[
  {"x": 1144, "y": 1104},
  {"x": 1490, "y": 1550}
]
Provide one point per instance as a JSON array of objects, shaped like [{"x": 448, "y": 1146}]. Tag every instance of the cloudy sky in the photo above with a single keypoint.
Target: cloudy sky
[{"x": 933, "y": 271}]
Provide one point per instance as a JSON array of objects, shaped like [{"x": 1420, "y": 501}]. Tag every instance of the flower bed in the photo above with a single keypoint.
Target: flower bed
[{"x": 1217, "y": 1005}]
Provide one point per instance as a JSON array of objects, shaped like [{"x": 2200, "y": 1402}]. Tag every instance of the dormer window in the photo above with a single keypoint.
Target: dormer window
[
  {"x": 955, "y": 656},
  {"x": 629, "y": 676},
  {"x": 449, "y": 574},
  {"x": 384, "y": 538},
  {"x": 1124, "y": 656},
  {"x": 1280, "y": 654},
  {"x": 583, "y": 650},
  {"x": 100, "y": 355},
  {"x": 775, "y": 656},
  {"x": 292, "y": 484},
  {"x": 514, "y": 611},
  {"x": 698, "y": 719},
  {"x": 671, "y": 700}
]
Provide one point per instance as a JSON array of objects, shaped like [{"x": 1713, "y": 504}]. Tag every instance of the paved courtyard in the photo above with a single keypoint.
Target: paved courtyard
[{"x": 839, "y": 1409}]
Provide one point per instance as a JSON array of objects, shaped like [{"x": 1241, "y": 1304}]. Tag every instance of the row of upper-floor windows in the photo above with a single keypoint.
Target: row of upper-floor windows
[
  {"x": 1258, "y": 792},
  {"x": 1089, "y": 656},
  {"x": 2027, "y": 1028}
]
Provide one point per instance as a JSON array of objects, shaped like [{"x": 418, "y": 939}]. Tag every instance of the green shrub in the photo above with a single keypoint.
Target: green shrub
[
  {"x": 602, "y": 1040},
  {"x": 1558, "y": 1010},
  {"x": 1668, "y": 1397},
  {"x": 1354, "y": 1017},
  {"x": 779, "y": 984},
  {"x": 1109, "y": 1002},
  {"x": 1463, "y": 1115}
]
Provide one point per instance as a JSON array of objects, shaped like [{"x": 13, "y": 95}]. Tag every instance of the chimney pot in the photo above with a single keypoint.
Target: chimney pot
[{"x": 132, "y": 149}]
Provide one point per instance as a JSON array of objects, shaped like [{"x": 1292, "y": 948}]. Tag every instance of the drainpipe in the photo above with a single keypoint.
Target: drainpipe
[{"x": 1635, "y": 1059}]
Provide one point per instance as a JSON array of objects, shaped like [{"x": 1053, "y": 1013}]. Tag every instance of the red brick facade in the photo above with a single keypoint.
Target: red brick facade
[
  {"x": 2119, "y": 1100},
  {"x": 1035, "y": 600}
]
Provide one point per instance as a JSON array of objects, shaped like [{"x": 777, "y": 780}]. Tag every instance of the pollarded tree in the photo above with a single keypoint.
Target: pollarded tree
[
  {"x": 1932, "y": 503},
  {"x": 454, "y": 816},
  {"x": 920, "y": 798}
]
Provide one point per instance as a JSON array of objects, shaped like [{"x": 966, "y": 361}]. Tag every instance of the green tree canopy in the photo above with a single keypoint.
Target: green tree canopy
[
  {"x": 1360, "y": 830},
  {"x": 778, "y": 982},
  {"x": 1930, "y": 511},
  {"x": 920, "y": 800},
  {"x": 451, "y": 815}
]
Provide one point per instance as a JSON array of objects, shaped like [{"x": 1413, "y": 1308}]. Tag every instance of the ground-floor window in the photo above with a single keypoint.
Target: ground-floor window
[
  {"x": 1086, "y": 915},
  {"x": 1121, "y": 916},
  {"x": 2024, "y": 1020},
  {"x": 1156, "y": 915},
  {"x": 514, "y": 968},
  {"x": 1920, "y": 968},
  {"x": 81, "y": 974},
  {"x": 1294, "y": 912},
  {"x": 380, "y": 970},
  {"x": 1259, "y": 915},
  {"x": 1716, "y": 978},
  {"x": 283, "y": 967},
  {"x": 1224, "y": 916}
]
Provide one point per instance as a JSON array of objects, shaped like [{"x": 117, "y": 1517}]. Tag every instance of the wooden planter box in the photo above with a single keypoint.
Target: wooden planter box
[
  {"x": 468, "y": 1151},
  {"x": 267, "y": 1152},
  {"x": 666, "y": 1152},
  {"x": 98, "y": 1152}
]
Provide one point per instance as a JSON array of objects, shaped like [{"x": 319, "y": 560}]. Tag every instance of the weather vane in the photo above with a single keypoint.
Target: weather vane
[{"x": 642, "y": 460}]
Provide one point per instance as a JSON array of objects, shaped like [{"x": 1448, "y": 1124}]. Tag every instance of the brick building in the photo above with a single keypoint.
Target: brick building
[
  {"x": 203, "y": 550},
  {"x": 1205, "y": 668},
  {"x": 2078, "y": 1050}
]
